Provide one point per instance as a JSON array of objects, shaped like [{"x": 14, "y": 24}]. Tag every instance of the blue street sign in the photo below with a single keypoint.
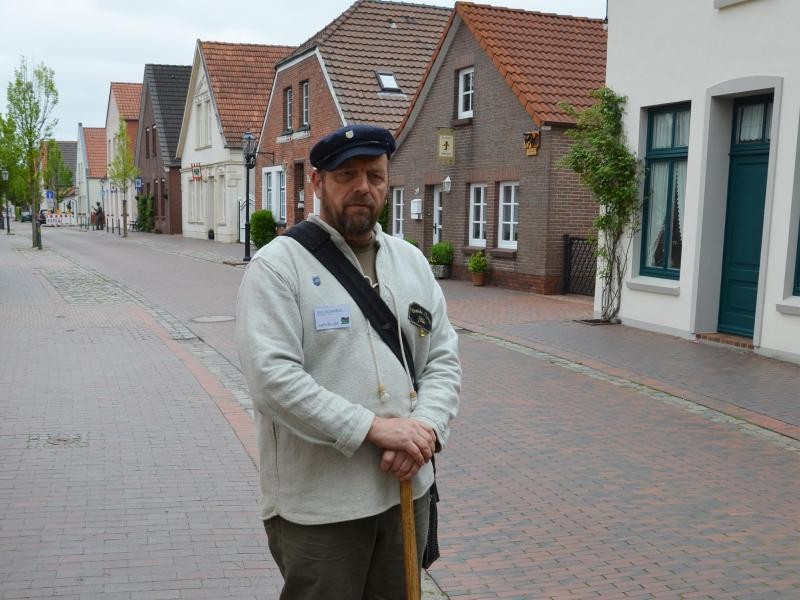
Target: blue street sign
[
  {"x": 49, "y": 194},
  {"x": 138, "y": 183}
]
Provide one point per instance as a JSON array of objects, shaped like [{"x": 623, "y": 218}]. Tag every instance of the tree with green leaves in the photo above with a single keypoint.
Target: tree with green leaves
[
  {"x": 123, "y": 170},
  {"x": 57, "y": 176},
  {"x": 611, "y": 172},
  {"x": 32, "y": 96},
  {"x": 11, "y": 161}
]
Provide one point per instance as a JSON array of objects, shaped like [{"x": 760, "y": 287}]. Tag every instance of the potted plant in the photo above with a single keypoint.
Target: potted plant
[
  {"x": 441, "y": 259},
  {"x": 478, "y": 265}
]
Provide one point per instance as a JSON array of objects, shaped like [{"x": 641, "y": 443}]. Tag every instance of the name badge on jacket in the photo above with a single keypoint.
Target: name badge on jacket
[{"x": 335, "y": 316}]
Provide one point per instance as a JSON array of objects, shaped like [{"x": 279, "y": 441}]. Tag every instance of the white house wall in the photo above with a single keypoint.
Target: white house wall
[
  {"x": 222, "y": 172},
  {"x": 689, "y": 51},
  {"x": 113, "y": 200}
]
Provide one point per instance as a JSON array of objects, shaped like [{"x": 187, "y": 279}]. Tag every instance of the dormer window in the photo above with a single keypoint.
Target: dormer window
[{"x": 388, "y": 82}]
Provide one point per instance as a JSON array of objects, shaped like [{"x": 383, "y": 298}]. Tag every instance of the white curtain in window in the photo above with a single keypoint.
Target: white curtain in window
[
  {"x": 659, "y": 190},
  {"x": 769, "y": 121},
  {"x": 750, "y": 119},
  {"x": 662, "y": 130},
  {"x": 682, "y": 128},
  {"x": 678, "y": 211}
]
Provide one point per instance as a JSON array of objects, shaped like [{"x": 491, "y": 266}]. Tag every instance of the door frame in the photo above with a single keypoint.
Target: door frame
[
  {"x": 713, "y": 163},
  {"x": 741, "y": 151}
]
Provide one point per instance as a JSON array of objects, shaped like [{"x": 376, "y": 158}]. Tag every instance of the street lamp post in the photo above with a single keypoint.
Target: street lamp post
[
  {"x": 249, "y": 156},
  {"x": 5, "y": 197}
]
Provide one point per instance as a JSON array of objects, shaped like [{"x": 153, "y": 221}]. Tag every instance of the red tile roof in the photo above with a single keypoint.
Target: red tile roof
[
  {"x": 128, "y": 96},
  {"x": 375, "y": 36},
  {"x": 241, "y": 77},
  {"x": 544, "y": 58},
  {"x": 95, "y": 140}
]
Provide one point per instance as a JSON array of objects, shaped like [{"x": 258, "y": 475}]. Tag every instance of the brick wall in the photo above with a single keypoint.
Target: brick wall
[
  {"x": 572, "y": 208},
  {"x": 173, "y": 202},
  {"x": 323, "y": 118}
]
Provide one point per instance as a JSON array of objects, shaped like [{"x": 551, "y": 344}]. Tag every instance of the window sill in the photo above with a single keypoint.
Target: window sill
[
  {"x": 789, "y": 306},
  {"x": 507, "y": 253},
  {"x": 655, "y": 285},
  {"x": 467, "y": 250},
  {"x": 301, "y": 134},
  {"x": 461, "y": 122}
]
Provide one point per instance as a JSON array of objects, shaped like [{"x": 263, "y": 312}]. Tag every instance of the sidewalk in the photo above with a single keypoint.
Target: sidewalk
[{"x": 121, "y": 476}]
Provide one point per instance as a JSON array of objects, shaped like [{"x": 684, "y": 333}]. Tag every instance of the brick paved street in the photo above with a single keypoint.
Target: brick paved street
[
  {"x": 120, "y": 476},
  {"x": 587, "y": 462}
]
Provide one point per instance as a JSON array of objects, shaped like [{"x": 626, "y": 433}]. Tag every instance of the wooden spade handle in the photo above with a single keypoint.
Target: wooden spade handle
[{"x": 409, "y": 541}]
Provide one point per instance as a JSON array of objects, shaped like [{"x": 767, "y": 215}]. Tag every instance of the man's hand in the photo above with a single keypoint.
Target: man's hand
[
  {"x": 413, "y": 437},
  {"x": 399, "y": 464}
]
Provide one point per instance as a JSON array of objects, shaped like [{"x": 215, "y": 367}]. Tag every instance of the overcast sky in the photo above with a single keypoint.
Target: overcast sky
[{"x": 90, "y": 43}]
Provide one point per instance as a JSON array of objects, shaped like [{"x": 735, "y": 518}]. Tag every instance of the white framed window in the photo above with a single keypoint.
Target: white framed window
[
  {"x": 508, "y": 215},
  {"x": 466, "y": 92},
  {"x": 477, "y": 215},
  {"x": 397, "y": 212},
  {"x": 305, "y": 113},
  {"x": 273, "y": 181},
  {"x": 203, "y": 129},
  {"x": 198, "y": 129},
  {"x": 287, "y": 108}
]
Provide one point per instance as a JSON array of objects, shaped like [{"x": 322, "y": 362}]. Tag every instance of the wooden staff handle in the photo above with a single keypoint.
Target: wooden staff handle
[{"x": 409, "y": 541}]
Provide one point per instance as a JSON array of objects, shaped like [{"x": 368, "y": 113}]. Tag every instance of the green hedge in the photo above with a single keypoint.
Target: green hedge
[
  {"x": 442, "y": 253},
  {"x": 147, "y": 215},
  {"x": 262, "y": 228}
]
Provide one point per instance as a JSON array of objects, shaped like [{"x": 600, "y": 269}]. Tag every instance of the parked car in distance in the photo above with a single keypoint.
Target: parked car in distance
[
  {"x": 42, "y": 217},
  {"x": 25, "y": 215}
]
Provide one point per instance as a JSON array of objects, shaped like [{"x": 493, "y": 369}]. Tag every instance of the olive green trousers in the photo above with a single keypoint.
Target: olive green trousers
[{"x": 350, "y": 560}]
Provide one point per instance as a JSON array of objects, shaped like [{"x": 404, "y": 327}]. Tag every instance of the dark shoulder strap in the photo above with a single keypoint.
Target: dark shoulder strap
[{"x": 317, "y": 241}]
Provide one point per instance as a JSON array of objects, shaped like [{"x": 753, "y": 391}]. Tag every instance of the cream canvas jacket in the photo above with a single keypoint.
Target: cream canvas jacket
[{"x": 315, "y": 370}]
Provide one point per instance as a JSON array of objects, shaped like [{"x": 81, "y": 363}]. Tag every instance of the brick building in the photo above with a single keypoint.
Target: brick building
[
  {"x": 487, "y": 121},
  {"x": 160, "y": 113},
  {"x": 364, "y": 67}
]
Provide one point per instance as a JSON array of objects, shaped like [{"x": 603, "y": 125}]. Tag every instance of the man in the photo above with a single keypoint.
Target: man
[{"x": 338, "y": 422}]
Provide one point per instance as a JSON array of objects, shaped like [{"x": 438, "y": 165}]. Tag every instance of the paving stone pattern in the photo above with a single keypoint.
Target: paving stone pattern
[
  {"x": 575, "y": 469},
  {"x": 120, "y": 478},
  {"x": 559, "y": 485}
]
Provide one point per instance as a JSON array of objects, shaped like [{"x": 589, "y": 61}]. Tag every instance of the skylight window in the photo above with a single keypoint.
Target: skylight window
[{"x": 388, "y": 82}]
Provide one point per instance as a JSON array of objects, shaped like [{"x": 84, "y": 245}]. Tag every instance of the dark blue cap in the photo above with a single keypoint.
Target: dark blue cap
[{"x": 347, "y": 142}]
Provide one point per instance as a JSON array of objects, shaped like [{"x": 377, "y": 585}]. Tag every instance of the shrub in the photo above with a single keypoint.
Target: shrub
[
  {"x": 146, "y": 214},
  {"x": 413, "y": 242},
  {"x": 478, "y": 262},
  {"x": 442, "y": 253},
  {"x": 262, "y": 228}
]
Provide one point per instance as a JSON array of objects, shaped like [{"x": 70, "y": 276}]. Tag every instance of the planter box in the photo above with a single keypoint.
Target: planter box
[{"x": 441, "y": 271}]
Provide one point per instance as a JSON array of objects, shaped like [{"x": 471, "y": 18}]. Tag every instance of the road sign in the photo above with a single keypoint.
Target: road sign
[
  {"x": 49, "y": 194},
  {"x": 138, "y": 183}
]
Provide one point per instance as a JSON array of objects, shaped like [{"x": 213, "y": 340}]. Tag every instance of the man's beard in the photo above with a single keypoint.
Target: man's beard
[
  {"x": 358, "y": 224},
  {"x": 349, "y": 224}
]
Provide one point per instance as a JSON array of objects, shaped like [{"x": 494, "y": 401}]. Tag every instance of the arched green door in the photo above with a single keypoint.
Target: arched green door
[{"x": 744, "y": 218}]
